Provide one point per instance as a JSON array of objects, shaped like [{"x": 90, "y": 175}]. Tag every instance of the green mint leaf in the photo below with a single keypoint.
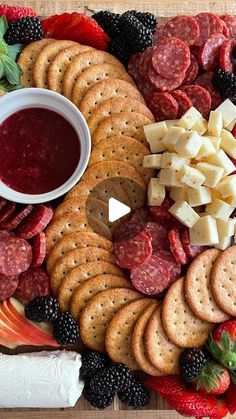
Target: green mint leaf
[
  {"x": 14, "y": 50},
  {"x": 1, "y": 69},
  {"x": 7, "y": 87},
  {"x": 3, "y": 26},
  {"x": 12, "y": 71},
  {"x": 3, "y": 48}
]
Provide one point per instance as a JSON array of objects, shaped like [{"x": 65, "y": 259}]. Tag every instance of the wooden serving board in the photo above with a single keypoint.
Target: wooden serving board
[{"x": 163, "y": 9}]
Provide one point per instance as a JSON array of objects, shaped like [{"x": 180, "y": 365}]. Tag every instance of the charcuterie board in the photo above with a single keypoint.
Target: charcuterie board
[{"x": 164, "y": 10}]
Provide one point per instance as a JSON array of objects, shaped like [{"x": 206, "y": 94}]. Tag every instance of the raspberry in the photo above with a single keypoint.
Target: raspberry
[{"x": 15, "y": 12}]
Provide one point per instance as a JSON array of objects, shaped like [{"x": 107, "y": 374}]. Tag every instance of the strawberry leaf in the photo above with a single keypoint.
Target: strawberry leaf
[
  {"x": 1, "y": 69},
  {"x": 3, "y": 26},
  {"x": 14, "y": 50},
  {"x": 12, "y": 70}
]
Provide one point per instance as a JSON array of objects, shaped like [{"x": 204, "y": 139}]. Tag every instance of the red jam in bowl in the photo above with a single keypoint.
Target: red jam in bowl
[{"x": 39, "y": 150}]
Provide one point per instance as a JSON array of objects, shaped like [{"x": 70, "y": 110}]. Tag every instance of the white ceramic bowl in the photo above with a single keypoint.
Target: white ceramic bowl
[{"x": 42, "y": 98}]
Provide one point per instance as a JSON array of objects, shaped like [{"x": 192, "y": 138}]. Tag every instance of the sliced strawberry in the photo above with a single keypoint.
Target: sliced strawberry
[
  {"x": 166, "y": 385},
  {"x": 15, "y": 12},
  {"x": 230, "y": 396}
]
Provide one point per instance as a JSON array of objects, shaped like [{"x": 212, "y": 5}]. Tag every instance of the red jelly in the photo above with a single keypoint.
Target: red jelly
[{"x": 39, "y": 150}]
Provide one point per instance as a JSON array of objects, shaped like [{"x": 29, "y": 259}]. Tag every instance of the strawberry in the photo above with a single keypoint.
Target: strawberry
[
  {"x": 15, "y": 12},
  {"x": 213, "y": 379},
  {"x": 76, "y": 27},
  {"x": 230, "y": 396},
  {"x": 222, "y": 345}
]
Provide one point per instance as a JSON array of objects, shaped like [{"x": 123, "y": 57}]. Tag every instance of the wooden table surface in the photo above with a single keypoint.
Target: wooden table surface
[{"x": 163, "y": 9}]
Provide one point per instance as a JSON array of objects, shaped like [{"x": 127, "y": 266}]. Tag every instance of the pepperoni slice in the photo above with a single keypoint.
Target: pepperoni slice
[
  {"x": 159, "y": 35},
  {"x": 6, "y": 212},
  {"x": 133, "y": 66},
  {"x": 36, "y": 221},
  {"x": 163, "y": 105},
  {"x": 182, "y": 27},
  {"x": 176, "y": 246},
  {"x": 173, "y": 266},
  {"x": 209, "y": 52},
  {"x": 183, "y": 101},
  {"x": 39, "y": 249},
  {"x": 8, "y": 286},
  {"x": 190, "y": 250},
  {"x": 230, "y": 22},
  {"x": 171, "y": 58},
  {"x": 5, "y": 233},
  {"x": 131, "y": 253},
  {"x": 129, "y": 230},
  {"x": 205, "y": 80},
  {"x": 226, "y": 31},
  {"x": 32, "y": 283},
  {"x": 145, "y": 62},
  {"x": 159, "y": 236},
  {"x": 200, "y": 98},
  {"x": 145, "y": 87},
  {"x": 192, "y": 71},
  {"x": 162, "y": 83},
  {"x": 15, "y": 255},
  {"x": 151, "y": 277},
  {"x": 20, "y": 216},
  {"x": 141, "y": 215},
  {"x": 226, "y": 55},
  {"x": 209, "y": 24}
]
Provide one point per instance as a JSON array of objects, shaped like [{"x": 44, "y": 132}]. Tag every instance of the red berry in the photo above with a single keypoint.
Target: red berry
[
  {"x": 213, "y": 379},
  {"x": 230, "y": 396},
  {"x": 15, "y": 12}
]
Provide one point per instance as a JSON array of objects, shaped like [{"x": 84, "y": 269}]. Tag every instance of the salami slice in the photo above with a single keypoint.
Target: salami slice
[
  {"x": 205, "y": 80},
  {"x": 6, "y": 212},
  {"x": 171, "y": 58},
  {"x": 226, "y": 55},
  {"x": 36, "y": 221},
  {"x": 209, "y": 52},
  {"x": 133, "y": 66},
  {"x": 145, "y": 62},
  {"x": 192, "y": 71},
  {"x": 200, "y": 98},
  {"x": 39, "y": 249},
  {"x": 173, "y": 266},
  {"x": 163, "y": 105},
  {"x": 141, "y": 215},
  {"x": 32, "y": 283},
  {"x": 15, "y": 255},
  {"x": 230, "y": 22},
  {"x": 161, "y": 215},
  {"x": 209, "y": 24},
  {"x": 182, "y": 27},
  {"x": 145, "y": 87},
  {"x": 5, "y": 233},
  {"x": 159, "y": 236},
  {"x": 151, "y": 277},
  {"x": 162, "y": 83},
  {"x": 131, "y": 253},
  {"x": 20, "y": 216},
  {"x": 176, "y": 246},
  {"x": 129, "y": 230},
  {"x": 183, "y": 101},
  {"x": 8, "y": 286},
  {"x": 159, "y": 35},
  {"x": 190, "y": 250},
  {"x": 226, "y": 31}
]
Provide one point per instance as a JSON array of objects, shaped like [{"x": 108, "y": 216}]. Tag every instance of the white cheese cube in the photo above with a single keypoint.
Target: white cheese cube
[
  {"x": 228, "y": 143},
  {"x": 156, "y": 192},
  {"x": 189, "y": 118},
  {"x": 231, "y": 200},
  {"x": 222, "y": 160},
  {"x": 170, "y": 177},
  {"x": 171, "y": 122},
  {"x": 188, "y": 144},
  {"x": 230, "y": 126},
  {"x": 207, "y": 149},
  {"x": 213, "y": 174},
  {"x": 173, "y": 161},
  {"x": 178, "y": 194},
  {"x": 216, "y": 141},
  {"x": 200, "y": 196},
  {"x": 204, "y": 232},
  {"x": 215, "y": 123},
  {"x": 156, "y": 146},
  {"x": 219, "y": 209},
  {"x": 153, "y": 161},
  {"x": 224, "y": 243},
  {"x": 228, "y": 110},
  {"x": 191, "y": 177},
  {"x": 171, "y": 137},
  {"x": 227, "y": 187},
  {"x": 200, "y": 126},
  {"x": 155, "y": 131},
  {"x": 184, "y": 213},
  {"x": 225, "y": 228}
]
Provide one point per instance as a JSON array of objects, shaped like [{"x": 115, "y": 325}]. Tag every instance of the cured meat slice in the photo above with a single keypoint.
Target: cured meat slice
[
  {"x": 151, "y": 277},
  {"x": 209, "y": 24},
  {"x": 226, "y": 55},
  {"x": 39, "y": 249},
  {"x": 173, "y": 266},
  {"x": 192, "y": 71},
  {"x": 5, "y": 233},
  {"x": 36, "y": 221},
  {"x": 182, "y": 27},
  {"x": 133, "y": 66},
  {"x": 159, "y": 35},
  {"x": 183, "y": 101},
  {"x": 15, "y": 255},
  {"x": 6, "y": 212},
  {"x": 159, "y": 236},
  {"x": 200, "y": 98},
  {"x": 8, "y": 286},
  {"x": 176, "y": 246},
  {"x": 145, "y": 62},
  {"x": 163, "y": 105},
  {"x": 140, "y": 215},
  {"x": 190, "y": 250},
  {"x": 129, "y": 230},
  {"x": 209, "y": 52},
  {"x": 162, "y": 83},
  {"x": 226, "y": 31},
  {"x": 131, "y": 253},
  {"x": 145, "y": 87},
  {"x": 230, "y": 22},
  {"x": 205, "y": 80},
  {"x": 32, "y": 283},
  {"x": 20, "y": 216},
  {"x": 171, "y": 58}
]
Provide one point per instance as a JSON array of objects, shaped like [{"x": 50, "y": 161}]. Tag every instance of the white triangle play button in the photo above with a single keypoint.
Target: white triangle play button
[{"x": 117, "y": 209}]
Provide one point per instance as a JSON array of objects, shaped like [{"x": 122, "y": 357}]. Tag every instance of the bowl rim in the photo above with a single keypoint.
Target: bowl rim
[{"x": 81, "y": 129}]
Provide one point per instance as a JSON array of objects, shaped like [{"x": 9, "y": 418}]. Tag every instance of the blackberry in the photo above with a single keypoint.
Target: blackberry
[
  {"x": 117, "y": 377},
  {"x": 92, "y": 362},
  {"x": 24, "y": 30},
  {"x": 225, "y": 83},
  {"x": 146, "y": 18},
  {"x": 65, "y": 329},
  {"x": 139, "y": 37},
  {"x": 42, "y": 309},
  {"x": 108, "y": 21},
  {"x": 98, "y": 400},
  {"x": 191, "y": 363},
  {"x": 137, "y": 395},
  {"x": 119, "y": 47}
]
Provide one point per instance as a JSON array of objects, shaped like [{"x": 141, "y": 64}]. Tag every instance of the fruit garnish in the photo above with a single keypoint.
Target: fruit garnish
[
  {"x": 222, "y": 344},
  {"x": 191, "y": 363},
  {"x": 15, "y": 12},
  {"x": 213, "y": 379},
  {"x": 230, "y": 397},
  {"x": 24, "y": 30},
  {"x": 76, "y": 27},
  {"x": 9, "y": 69}
]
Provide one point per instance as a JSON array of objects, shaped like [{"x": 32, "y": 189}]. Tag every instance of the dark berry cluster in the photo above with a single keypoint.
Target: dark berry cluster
[
  {"x": 24, "y": 30},
  {"x": 225, "y": 83}
]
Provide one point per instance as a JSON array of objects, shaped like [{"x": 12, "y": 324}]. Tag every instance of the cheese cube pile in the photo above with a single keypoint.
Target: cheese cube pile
[{"x": 193, "y": 157}]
